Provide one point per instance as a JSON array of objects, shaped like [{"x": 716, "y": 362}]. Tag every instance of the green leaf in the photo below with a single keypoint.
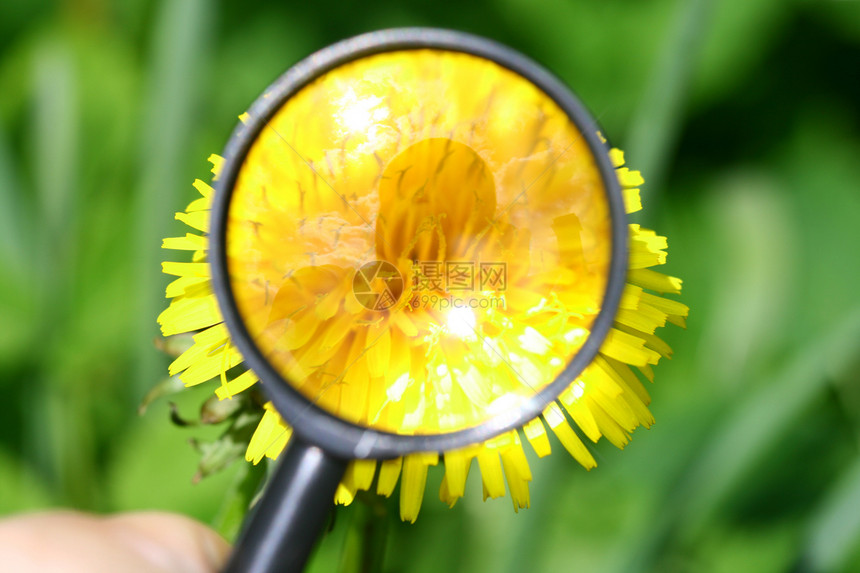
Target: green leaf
[
  {"x": 14, "y": 233},
  {"x": 741, "y": 439},
  {"x": 238, "y": 499},
  {"x": 215, "y": 410},
  {"x": 657, "y": 123},
  {"x": 229, "y": 447},
  {"x": 167, "y": 387},
  {"x": 152, "y": 465},
  {"x": 29, "y": 491},
  {"x": 760, "y": 421},
  {"x": 834, "y": 534},
  {"x": 178, "y": 61}
]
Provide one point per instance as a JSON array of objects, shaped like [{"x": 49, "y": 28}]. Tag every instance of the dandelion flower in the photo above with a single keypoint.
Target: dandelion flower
[{"x": 418, "y": 256}]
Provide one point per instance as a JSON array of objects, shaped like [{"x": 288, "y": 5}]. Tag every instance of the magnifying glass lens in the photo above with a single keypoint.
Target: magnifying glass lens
[{"x": 419, "y": 241}]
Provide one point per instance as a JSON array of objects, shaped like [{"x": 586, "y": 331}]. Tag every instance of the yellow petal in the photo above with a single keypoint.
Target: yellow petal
[
  {"x": 217, "y": 163},
  {"x": 204, "y": 188},
  {"x": 613, "y": 404},
  {"x": 646, "y": 371},
  {"x": 202, "y": 204},
  {"x": 631, "y": 396},
  {"x": 238, "y": 384},
  {"x": 652, "y": 343},
  {"x": 628, "y": 178},
  {"x": 630, "y": 297},
  {"x": 389, "y": 473},
  {"x": 617, "y": 435},
  {"x": 270, "y": 437},
  {"x": 300, "y": 329},
  {"x": 536, "y": 435},
  {"x": 645, "y": 318},
  {"x": 624, "y": 372},
  {"x": 188, "y": 286},
  {"x": 628, "y": 348},
  {"x": 199, "y": 270},
  {"x": 567, "y": 436},
  {"x": 358, "y": 477},
  {"x": 217, "y": 362},
  {"x": 189, "y": 313},
  {"x": 632, "y": 200},
  {"x": 652, "y": 280},
  {"x": 204, "y": 342},
  {"x": 344, "y": 494},
  {"x": 456, "y": 470},
  {"x": 413, "y": 482},
  {"x": 573, "y": 401},
  {"x": 491, "y": 472},
  {"x": 517, "y": 473},
  {"x": 646, "y": 251},
  {"x": 379, "y": 352},
  {"x": 362, "y": 473},
  {"x": 675, "y": 310},
  {"x": 190, "y": 242},
  {"x": 196, "y": 219}
]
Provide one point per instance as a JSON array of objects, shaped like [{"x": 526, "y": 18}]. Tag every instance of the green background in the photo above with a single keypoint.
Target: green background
[{"x": 741, "y": 114}]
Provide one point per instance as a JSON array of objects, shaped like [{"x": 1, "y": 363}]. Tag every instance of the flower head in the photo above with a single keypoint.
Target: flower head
[{"x": 417, "y": 258}]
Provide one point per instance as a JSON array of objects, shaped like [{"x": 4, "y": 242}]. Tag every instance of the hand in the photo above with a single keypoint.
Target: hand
[{"x": 73, "y": 542}]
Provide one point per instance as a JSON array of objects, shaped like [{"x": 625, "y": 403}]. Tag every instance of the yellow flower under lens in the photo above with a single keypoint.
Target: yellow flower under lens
[{"x": 341, "y": 257}]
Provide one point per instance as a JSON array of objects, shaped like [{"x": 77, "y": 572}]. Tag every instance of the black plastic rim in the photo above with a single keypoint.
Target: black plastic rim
[{"x": 318, "y": 426}]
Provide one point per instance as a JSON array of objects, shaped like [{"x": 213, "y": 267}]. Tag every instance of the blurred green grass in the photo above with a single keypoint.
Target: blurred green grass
[{"x": 744, "y": 117}]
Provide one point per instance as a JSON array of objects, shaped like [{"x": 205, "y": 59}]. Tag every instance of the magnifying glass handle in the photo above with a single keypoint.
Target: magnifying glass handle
[{"x": 287, "y": 520}]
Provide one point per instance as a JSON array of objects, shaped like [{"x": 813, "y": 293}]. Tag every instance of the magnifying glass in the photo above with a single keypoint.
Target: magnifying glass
[{"x": 418, "y": 241}]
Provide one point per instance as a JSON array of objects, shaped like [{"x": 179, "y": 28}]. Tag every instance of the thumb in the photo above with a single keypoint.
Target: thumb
[
  {"x": 170, "y": 542},
  {"x": 75, "y": 542}
]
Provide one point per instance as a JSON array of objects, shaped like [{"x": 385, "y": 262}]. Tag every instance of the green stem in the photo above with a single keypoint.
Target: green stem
[{"x": 364, "y": 546}]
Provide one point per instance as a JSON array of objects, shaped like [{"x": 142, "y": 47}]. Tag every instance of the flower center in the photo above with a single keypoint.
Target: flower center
[{"x": 437, "y": 201}]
